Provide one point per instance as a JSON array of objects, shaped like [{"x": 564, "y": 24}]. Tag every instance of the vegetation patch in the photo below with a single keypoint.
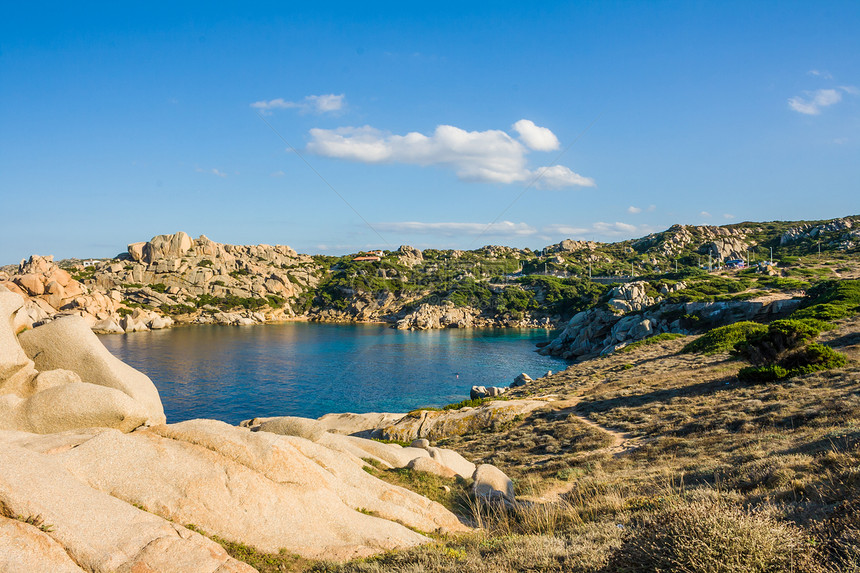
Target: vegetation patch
[
  {"x": 714, "y": 537},
  {"x": 724, "y": 338}
]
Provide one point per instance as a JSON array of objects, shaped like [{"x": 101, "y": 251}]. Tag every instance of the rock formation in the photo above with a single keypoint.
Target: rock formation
[
  {"x": 58, "y": 377},
  {"x": 92, "y": 479},
  {"x": 597, "y": 331}
]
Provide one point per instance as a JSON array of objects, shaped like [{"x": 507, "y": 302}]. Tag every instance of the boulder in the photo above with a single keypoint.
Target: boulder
[
  {"x": 16, "y": 369},
  {"x": 255, "y": 488},
  {"x": 521, "y": 380},
  {"x": 69, "y": 344},
  {"x": 409, "y": 256},
  {"x": 73, "y": 405},
  {"x": 98, "y": 531},
  {"x": 363, "y": 425},
  {"x": 435, "y": 425},
  {"x": 491, "y": 484},
  {"x": 453, "y": 461},
  {"x": 31, "y": 283},
  {"x": 107, "y": 326},
  {"x": 431, "y": 466},
  {"x": 293, "y": 426},
  {"x": 25, "y": 547},
  {"x": 165, "y": 246}
]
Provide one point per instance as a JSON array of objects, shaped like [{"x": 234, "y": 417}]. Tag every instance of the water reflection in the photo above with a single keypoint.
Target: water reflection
[{"x": 234, "y": 373}]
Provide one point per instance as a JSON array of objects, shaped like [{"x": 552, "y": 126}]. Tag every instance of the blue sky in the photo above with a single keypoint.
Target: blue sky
[{"x": 420, "y": 125}]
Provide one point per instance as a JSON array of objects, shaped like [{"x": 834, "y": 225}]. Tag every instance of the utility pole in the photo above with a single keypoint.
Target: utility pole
[
  {"x": 709, "y": 261},
  {"x": 589, "y": 270},
  {"x": 771, "y": 255}
]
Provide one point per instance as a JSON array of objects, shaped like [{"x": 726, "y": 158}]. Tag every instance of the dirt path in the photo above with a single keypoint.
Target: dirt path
[{"x": 622, "y": 443}]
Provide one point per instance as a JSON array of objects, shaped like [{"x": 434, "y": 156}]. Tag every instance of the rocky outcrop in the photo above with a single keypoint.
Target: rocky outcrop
[
  {"x": 630, "y": 297},
  {"x": 571, "y": 246},
  {"x": 846, "y": 239},
  {"x": 113, "y": 499},
  {"x": 170, "y": 278},
  {"x": 59, "y": 377},
  {"x": 367, "y": 307},
  {"x": 95, "y": 529},
  {"x": 409, "y": 256},
  {"x": 596, "y": 331},
  {"x": 722, "y": 242},
  {"x": 438, "y": 424},
  {"x": 446, "y": 315},
  {"x": 727, "y": 248}
]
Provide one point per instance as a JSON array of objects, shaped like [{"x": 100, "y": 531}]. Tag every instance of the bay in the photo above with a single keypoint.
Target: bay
[{"x": 310, "y": 369}]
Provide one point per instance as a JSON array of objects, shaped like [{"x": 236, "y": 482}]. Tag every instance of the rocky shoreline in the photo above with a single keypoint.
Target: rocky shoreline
[{"x": 94, "y": 478}]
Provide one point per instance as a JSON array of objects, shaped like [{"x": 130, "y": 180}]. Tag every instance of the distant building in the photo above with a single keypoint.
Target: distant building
[
  {"x": 735, "y": 264},
  {"x": 366, "y": 258}
]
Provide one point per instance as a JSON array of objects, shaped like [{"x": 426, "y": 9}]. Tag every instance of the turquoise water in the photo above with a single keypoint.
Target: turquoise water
[{"x": 310, "y": 369}]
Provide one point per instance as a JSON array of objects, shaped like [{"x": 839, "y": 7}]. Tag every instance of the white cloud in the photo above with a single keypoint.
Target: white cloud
[
  {"x": 487, "y": 156},
  {"x": 498, "y": 228},
  {"x": 634, "y": 210},
  {"x": 705, "y": 214},
  {"x": 614, "y": 228},
  {"x": 558, "y": 176},
  {"x": 326, "y": 103},
  {"x": 566, "y": 230},
  {"x": 537, "y": 138},
  {"x": 850, "y": 90},
  {"x": 600, "y": 229},
  {"x": 814, "y": 101},
  {"x": 820, "y": 74},
  {"x": 278, "y": 173},
  {"x": 728, "y": 216},
  {"x": 652, "y": 208},
  {"x": 215, "y": 172}
]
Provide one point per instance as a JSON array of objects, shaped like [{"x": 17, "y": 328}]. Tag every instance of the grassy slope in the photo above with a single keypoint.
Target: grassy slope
[
  {"x": 647, "y": 456},
  {"x": 768, "y": 469}
]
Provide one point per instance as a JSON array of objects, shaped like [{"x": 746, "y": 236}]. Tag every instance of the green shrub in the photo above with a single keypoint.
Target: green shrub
[
  {"x": 769, "y": 373},
  {"x": 714, "y": 537},
  {"x": 779, "y": 336},
  {"x": 830, "y": 300},
  {"x": 158, "y": 287},
  {"x": 205, "y": 263},
  {"x": 812, "y": 358},
  {"x": 724, "y": 338}
]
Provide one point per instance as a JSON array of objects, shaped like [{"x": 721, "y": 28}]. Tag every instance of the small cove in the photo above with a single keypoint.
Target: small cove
[{"x": 310, "y": 369}]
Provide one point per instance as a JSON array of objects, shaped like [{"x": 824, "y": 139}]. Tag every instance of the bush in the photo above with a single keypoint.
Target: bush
[
  {"x": 724, "y": 338},
  {"x": 812, "y": 358},
  {"x": 757, "y": 374},
  {"x": 781, "y": 335},
  {"x": 714, "y": 537},
  {"x": 830, "y": 300}
]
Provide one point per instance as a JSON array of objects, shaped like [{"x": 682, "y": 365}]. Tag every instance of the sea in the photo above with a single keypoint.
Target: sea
[{"x": 233, "y": 373}]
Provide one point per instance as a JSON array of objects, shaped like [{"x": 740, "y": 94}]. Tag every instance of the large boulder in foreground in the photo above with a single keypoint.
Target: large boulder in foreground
[
  {"x": 265, "y": 490},
  {"x": 55, "y": 400},
  {"x": 68, "y": 343},
  {"x": 99, "y": 532}
]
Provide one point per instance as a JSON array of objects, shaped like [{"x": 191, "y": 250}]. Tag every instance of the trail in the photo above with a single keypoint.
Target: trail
[{"x": 622, "y": 443}]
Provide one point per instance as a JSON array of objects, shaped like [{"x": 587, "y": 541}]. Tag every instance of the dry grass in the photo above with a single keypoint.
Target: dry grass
[{"x": 718, "y": 475}]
